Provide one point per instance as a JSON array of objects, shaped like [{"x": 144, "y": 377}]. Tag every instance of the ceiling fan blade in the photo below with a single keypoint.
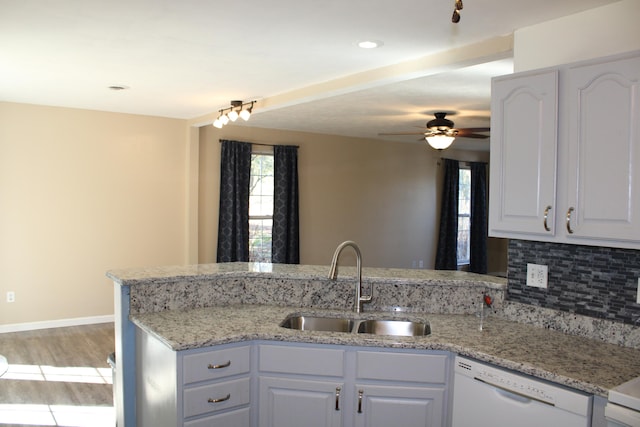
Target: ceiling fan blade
[
  {"x": 475, "y": 129},
  {"x": 402, "y": 133},
  {"x": 471, "y": 135}
]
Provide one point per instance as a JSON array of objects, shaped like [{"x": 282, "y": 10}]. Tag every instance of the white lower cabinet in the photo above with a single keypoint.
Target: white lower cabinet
[
  {"x": 195, "y": 388},
  {"x": 286, "y": 402},
  {"x": 384, "y": 406},
  {"x": 323, "y": 386},
  {"x": 266, "y": 384},
  {"x": 400, "y": 388}
]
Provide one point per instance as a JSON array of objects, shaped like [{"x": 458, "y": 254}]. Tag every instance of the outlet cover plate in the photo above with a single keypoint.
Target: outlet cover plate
[{"x": 537, "y": 275}]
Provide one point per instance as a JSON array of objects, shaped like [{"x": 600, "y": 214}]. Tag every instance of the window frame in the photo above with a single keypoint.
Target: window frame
[
  {"x": 262, "y": 217},
  {"x": 462, "y": 263}
]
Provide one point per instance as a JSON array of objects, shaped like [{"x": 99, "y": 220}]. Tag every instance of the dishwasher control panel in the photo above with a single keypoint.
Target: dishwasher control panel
[{"x": 515, "y": 384}]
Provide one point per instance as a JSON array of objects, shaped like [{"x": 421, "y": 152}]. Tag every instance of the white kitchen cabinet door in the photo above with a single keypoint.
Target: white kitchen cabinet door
[
  {"x": 384, "y": 406},
  {"x": 524, "y": 111},
  {"x": 603, "y": 159},
  {"x": 286, "y": 402}
]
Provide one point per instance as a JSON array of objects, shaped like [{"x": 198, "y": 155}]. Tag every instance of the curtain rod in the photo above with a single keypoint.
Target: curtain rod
[
  {"x": 266, "y": 145},
  {"x": 461, "y": 161}
]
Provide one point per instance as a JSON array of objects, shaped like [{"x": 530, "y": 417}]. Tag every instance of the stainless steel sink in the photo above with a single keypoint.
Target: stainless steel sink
[
  {"x": 373, "y": 326},
  {"x": 314, "y": 323},
  {"x": 394, "y": 327}
]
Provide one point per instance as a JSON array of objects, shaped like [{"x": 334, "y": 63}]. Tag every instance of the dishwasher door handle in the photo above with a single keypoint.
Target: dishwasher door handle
[{"x": 512, "y": 392}]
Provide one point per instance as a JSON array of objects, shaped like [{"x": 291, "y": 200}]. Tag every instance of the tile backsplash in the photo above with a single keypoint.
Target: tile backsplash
[{"x": 588, "y": 280}]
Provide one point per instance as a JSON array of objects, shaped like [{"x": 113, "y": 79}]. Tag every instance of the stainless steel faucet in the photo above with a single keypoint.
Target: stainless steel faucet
[{"x": 333, "y": 272}]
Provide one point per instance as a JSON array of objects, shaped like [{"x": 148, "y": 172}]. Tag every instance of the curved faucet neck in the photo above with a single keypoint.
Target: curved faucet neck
[{"x": 333, "y": 272}]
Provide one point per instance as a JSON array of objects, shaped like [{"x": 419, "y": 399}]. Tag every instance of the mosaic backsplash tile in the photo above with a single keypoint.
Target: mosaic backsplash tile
[{"x": 588, "y": 280}]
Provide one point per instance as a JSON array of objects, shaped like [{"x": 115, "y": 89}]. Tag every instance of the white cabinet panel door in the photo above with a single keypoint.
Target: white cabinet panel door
[
  {"x": 603, "y": 180},
  {"x": 295, "y": 402},
  {"x": 384, "y": 406},
  {"x": 524, "y": 111}
]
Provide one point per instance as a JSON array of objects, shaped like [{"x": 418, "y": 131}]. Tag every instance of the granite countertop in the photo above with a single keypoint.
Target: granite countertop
[
  {"x": 581, "y": 363},
  {"x": 160, "y": 274}
]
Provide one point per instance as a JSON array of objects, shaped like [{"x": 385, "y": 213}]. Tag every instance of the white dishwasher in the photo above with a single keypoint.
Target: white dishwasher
[{"x": 488, "y": 396}]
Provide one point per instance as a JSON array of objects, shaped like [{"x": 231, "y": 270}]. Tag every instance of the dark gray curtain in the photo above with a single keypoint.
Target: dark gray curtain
[
  {"x": 446, "y": 255},
  {"x": 285, "y": 247},
  {"x": 233, "y": 222},
  {"x": 478, "y": 237}
]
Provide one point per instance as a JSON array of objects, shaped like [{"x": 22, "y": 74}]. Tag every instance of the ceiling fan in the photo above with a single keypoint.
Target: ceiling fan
[{"x": 440, "y": 132}]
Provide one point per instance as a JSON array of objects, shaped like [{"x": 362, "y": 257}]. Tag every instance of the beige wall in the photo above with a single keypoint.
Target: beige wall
[
  {"x": 384, "y": 196},
  {"x": 594, "y": 33},
  {"x": 82, "y": 192}
]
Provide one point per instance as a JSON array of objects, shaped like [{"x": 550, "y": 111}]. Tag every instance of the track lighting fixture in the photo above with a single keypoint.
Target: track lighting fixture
[
  {"x": 456, "y": 11},
  {"x": 236, "y": 110}
]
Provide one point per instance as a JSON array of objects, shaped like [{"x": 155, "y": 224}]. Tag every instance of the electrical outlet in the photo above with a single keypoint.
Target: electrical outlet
[
  {"x": 421, "y": 264},
  {"x": 537, "y": 275},
  {"x": 11, "y": 296}
]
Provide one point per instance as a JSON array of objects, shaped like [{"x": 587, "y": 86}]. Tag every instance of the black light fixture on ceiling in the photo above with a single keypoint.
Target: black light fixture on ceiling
[
  {"x": 236, "y": 110},
  {"x": 456, "y": 11}
]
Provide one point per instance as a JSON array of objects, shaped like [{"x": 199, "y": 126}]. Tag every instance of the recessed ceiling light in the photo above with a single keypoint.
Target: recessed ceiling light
[
  {"x": 118, "y": 87},
  {"x": 370, "y": 44}
]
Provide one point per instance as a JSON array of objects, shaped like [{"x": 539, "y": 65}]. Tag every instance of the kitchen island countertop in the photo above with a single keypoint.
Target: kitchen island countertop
[{"x": 577, "y": 362}]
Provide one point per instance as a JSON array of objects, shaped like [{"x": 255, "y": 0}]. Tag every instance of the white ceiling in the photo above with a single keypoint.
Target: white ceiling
[{"x": 299, "y": 58}]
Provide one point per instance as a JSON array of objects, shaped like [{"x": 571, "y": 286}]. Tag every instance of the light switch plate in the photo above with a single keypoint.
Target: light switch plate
[{"x": 537, "y": 275}]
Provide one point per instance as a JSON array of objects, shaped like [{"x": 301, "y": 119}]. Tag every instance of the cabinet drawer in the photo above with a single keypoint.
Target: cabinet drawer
[
  {"x": 215, "y": 397},
  {"x": 239, "y": 418},
  {"x": 297, "y": 360},
  {"x": 427, "y": 368},
  {"x": 216, "y": 364}
]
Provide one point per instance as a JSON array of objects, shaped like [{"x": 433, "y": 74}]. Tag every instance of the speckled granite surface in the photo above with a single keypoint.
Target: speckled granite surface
[
  {"x": 576, "y": 362},
  {"x": 202, "y": 305},
  {"x": 421, "y": 291}
]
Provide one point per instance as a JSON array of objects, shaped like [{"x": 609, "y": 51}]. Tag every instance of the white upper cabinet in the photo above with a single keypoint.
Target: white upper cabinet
[
  {"x": 603, "y": 180},
  {"x": 565, "y": 154},
  {"x": 523, "y": 154}
]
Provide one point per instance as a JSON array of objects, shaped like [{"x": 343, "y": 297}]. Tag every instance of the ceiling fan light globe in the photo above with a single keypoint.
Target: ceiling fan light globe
[{"x": 440, "y": 142}]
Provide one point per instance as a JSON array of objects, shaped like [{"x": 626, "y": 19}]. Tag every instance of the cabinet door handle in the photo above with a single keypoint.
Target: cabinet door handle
[
  {"x": 338, "y": 398},
  {"x": 546, "y": 215},
  {"x": 569, "y": 229},
  {"x": 223, "y": 365},
  {"x": 222, "y": 399},
  {"x": 360, "y": 393}
]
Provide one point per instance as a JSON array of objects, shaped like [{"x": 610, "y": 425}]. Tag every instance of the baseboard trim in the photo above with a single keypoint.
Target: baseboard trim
[{"x": 61, "y": 323}]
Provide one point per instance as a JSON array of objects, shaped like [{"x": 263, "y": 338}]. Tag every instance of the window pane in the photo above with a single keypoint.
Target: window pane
[
  {"x": 261, "y": 187},
  {"x": 463, "y": 240},
  {"x": 464, "y": 213},
  {"x": 260, "y": 207},
  {"x": 260, "y": 240}
]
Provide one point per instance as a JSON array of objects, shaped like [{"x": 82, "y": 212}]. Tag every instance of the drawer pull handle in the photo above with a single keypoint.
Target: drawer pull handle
[
  {"x": 222, "y": 399},
  {"x": 338, "y": 398},
  {"x": 569, "y": 229},
  {"x": 224, "y": 365},
  {"x": 360, "y": 393},
  {"x": 546, "y": 215}
]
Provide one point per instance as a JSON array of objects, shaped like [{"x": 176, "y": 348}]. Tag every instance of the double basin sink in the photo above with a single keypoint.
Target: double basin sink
[{"x": 393, "y": 327}]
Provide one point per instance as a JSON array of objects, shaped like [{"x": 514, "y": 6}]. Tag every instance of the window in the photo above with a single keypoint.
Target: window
[
  {"x": 260, "y": 207},
  {"x": 464, "y": 215}
]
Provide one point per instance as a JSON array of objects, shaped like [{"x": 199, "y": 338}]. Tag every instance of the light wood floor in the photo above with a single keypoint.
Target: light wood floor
[{"x": 56, "y": 368}]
